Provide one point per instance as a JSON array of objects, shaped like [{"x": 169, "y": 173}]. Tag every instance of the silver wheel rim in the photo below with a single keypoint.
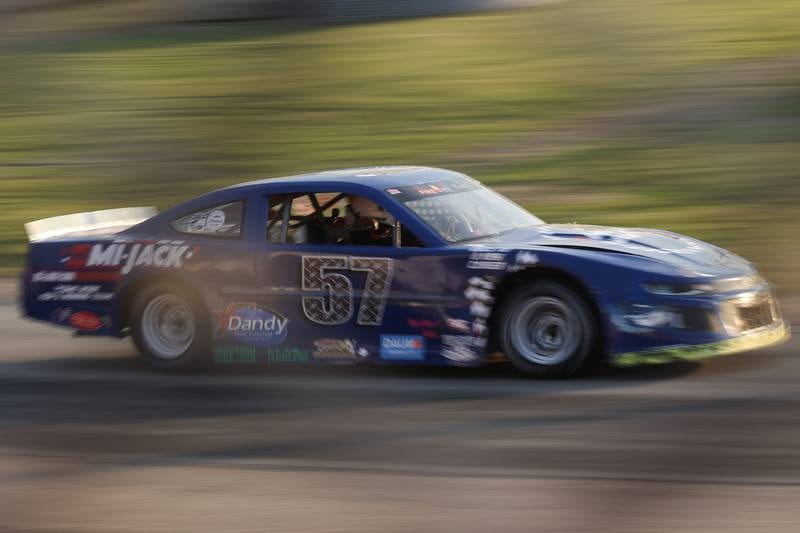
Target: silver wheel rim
[
  {"x": 544, "y": 330},
  {"x": 168, "y": 326}
]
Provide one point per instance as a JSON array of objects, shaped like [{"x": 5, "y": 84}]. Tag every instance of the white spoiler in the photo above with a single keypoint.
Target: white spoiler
[{"x": 94, "y": 221}]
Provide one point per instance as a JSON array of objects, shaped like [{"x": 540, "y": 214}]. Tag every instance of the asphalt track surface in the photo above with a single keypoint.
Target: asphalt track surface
[{"x": 91, "y": 441}]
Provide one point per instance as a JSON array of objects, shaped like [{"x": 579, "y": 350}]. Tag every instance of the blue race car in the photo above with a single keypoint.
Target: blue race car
[{"x": 402, "y": 265}]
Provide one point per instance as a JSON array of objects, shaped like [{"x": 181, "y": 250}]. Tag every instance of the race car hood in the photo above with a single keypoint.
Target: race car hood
[{"x": 690, "y": 256}]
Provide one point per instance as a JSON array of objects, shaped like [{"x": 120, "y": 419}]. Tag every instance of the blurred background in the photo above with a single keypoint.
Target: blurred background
[{"x": 676, "y": 114}]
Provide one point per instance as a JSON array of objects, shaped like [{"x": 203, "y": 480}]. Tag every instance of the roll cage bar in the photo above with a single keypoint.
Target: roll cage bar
[{"x": 286, "y": 215}]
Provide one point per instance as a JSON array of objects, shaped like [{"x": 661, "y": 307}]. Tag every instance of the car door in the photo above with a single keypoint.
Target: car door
[{"x": 347, "y": 302}]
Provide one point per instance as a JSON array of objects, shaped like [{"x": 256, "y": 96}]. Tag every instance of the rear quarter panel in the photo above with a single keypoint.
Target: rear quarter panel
[{"x": 86, "y": 285}]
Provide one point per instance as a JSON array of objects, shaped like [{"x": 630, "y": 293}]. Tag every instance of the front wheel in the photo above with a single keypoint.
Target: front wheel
[
  {"x": 547, "y": 330},
  {"x": 170, "y": 329}
]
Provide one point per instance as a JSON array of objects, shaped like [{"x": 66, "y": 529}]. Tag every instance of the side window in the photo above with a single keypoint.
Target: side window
[
  {"x": 316, "y": 219},
  {"x": 332, "y": 218},
  {"x": 219, "y": 221},
  {"x": 275, "y": 219}
]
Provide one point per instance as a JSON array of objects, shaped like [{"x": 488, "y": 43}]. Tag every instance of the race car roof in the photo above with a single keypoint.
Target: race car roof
[{"x": 377, "y": 177}]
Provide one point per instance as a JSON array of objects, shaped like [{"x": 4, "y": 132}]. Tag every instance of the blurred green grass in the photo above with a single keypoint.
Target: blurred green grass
[{"x": 678, "y": 114}]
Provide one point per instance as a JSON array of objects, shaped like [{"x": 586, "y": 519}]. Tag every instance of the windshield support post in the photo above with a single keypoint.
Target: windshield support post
[{"x": 397, "y": 236}]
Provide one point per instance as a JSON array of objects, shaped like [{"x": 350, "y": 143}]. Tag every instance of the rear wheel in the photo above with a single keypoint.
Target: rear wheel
[
  {"x": 170, "y": 329},
  {"x": 547, "y": 330}
]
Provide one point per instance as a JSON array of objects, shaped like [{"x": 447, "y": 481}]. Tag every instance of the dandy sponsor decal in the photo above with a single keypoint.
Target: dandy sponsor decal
[
  {"x": 402, "y": 347},
  {"x": 252, "y": 324},
  {"x": 334, "y": 349},
  {"x": 128, "y": 255}
]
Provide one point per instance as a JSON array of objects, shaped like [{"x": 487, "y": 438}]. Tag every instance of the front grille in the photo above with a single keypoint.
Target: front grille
[
  {"x": 695, "y": 319},
  {"x": 755, "y": 316}
]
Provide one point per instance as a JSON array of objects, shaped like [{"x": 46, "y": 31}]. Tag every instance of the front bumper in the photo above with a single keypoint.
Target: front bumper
[{"x": 771, "y": 335}]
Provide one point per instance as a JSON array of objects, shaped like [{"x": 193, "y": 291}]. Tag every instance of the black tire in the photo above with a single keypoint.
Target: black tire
[
  {"x": 547, "y": 330},
  {"x": 145, "y": 305}
]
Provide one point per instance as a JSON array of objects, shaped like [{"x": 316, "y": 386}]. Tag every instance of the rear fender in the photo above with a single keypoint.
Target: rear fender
[
  {"x": 78, "y": 283},
  {"x": 56, "y": 288},
  {"x": 134, "y": 284}
]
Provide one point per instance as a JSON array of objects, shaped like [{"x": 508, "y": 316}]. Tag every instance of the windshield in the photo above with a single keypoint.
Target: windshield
[{"x": 462, "y": 209}]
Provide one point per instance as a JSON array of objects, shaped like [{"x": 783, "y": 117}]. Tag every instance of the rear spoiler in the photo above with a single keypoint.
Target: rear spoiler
[{"x": 87, "y": 223}]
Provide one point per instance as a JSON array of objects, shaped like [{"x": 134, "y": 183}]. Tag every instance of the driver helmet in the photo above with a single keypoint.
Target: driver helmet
[{"x": 366, "y": 208}]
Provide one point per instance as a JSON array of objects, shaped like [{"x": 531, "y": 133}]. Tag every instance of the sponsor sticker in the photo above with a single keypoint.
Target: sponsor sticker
[
  {"x": 53, "y": 276},
  {"x": 479, "y": 293},
  {"x": 197, "y": 221},
  {"x": 75, "y": 293},
  {"x": 287, "y": 355},
  {"x": 428, "y": 328},
  {"x": 215, "y": 220},
  {"x": 402, "y": 347},
  {"x": 526, "y": 258},
  {"x": 334, "y": 349},
  {"x": 429, "y": 189},
  {"x": 483, "y": 283},
  {"x": 253, "y": 324},
  {"x": 85, "y": 321},
  {"x": 458, "y": 324},
  {"x": 61, "y": 314},
  {"x": 461, "y": 348},
  {"x": 234, "y": 354},
  {"x": 522, "y": 260},
  {"x": 487, "y": 261},
  {"x": 479, "y": 309},
  {"x": 479, "y": 327},
  {"x": 128, "y": 255},
  {"x": 476, "y": 293},
  {"x": 422, "y": 323}
]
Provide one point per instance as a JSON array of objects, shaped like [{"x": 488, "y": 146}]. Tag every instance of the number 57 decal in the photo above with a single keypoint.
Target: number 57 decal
[{"x": 337, "y": 306}]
